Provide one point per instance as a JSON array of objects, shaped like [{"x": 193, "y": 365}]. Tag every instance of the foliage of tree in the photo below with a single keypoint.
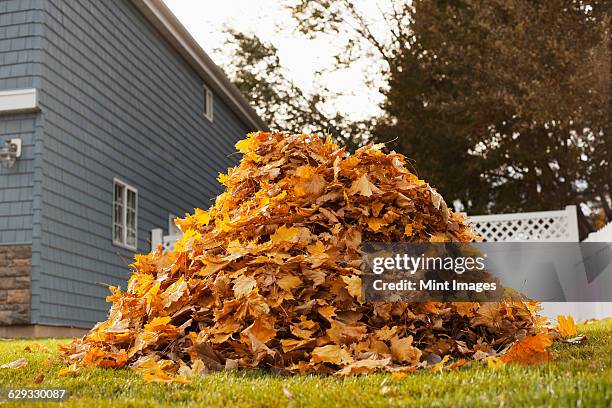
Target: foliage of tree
[
  {"x": 503, "y": 105},
  {"x": 257, "y": 71}
]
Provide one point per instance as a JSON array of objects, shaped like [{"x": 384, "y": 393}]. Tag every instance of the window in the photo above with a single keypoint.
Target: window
[
  {"x": 125, "y": 215},
  {"x": 208, "y": 103}
]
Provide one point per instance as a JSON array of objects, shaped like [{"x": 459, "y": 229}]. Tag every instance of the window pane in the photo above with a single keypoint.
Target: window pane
[
  {"x": 118, "y": 233},
  {"x": 118, "y": 213},
  {"x": 208, "y": 103},
  {"x": 131, "y": 200},
  {"x": 130, "y": 219},
  {"x": 118, "y": 193},
  {"x": 205, "y": 101},
  {"x": 131, "y": 237}
]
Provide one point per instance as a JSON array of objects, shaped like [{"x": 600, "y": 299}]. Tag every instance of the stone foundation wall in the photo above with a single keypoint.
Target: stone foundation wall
[{"x": 15, "y": 280}]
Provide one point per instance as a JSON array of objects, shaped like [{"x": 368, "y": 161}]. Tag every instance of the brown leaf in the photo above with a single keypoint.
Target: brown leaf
[
  {"x": 363, "y": 187},
  {"x": 403, "y": 351},
  {"x": 332, "y": 353}
]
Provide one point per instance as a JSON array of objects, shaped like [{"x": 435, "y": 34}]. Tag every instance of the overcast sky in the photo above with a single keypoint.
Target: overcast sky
[{"x": 301, "y": 57}]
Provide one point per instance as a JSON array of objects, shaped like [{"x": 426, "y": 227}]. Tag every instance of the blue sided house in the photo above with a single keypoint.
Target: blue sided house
[{"x": 112, "y": 121}]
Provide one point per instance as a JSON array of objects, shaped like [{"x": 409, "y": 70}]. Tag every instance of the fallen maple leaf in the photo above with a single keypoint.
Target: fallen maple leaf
[
  {"x": 403, "y": 350},
  {"x": 332, "y": 353},
  {"x": 530, "y": 350},
  {"x": 566, "y": 326},
  {"x": 353, "y": 285}
]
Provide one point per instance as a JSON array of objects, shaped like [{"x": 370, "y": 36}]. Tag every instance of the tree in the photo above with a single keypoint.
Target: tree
[
  {"x": 256, "y": 70},
  {"x": 503, "y": 104}
]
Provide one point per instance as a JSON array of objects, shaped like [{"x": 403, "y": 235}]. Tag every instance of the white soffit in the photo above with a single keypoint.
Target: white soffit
[{"x": 18, "y": 100}]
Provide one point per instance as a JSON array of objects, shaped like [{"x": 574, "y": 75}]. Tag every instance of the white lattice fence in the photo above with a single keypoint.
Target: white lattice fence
[
  {"x": 543, "y": 226},
  {"x": 551, "y": 226}
]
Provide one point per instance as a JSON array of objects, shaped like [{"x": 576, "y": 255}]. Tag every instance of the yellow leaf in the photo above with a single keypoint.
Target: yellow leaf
[
  {"x": 439, "y": 366},
  {"x": 187, "y": 240},
  {"x": 284, "y": 234},
  {"x": 353, "y": 285},
  {"x": 156, "y": 323},
  {"x": 376, "y": 223},
  {"x": 289, "y": 282},
  {"x": 439, "y": 237},
  {"x": 566, "y": 326},
  {"x": 248, "y": 144},
  {"x": 309, "y": 181},
  {"x": 201, "y": 217},
  {"x": 495, "y": 363},
  {"x": 317, "y": 248},
  {"x": 223, "y": 178},
  {"x": 70, "y": 370}
]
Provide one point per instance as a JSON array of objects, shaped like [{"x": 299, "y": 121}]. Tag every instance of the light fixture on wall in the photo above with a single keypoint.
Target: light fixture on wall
[{"x": 10, "y": 152}]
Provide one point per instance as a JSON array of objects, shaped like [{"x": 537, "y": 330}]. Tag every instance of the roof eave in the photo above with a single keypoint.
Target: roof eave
[{"x": 177, "y": 35}]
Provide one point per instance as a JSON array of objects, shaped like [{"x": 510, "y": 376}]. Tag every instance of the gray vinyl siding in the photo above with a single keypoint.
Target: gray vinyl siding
[
  {"x": 117, "y": 101},
  {"x": 17, "y": 183},
  {"x": 21, "y": 31},
  {"x": 20, "y": 39}
]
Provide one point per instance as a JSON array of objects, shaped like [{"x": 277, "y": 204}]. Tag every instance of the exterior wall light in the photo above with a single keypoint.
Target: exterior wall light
[{"x": 10, "y": 152}]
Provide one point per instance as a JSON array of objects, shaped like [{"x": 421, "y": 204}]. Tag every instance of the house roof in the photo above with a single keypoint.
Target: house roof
[{"x": 177, "y": 35}]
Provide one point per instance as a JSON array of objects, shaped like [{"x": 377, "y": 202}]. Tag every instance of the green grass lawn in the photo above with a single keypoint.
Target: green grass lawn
[{"x": 581, "y": 375}]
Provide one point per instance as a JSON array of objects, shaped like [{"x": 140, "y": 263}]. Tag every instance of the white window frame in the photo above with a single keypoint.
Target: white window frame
[
  {"x": 208, "y": 103},
  {"x": 123, "y": 221}
]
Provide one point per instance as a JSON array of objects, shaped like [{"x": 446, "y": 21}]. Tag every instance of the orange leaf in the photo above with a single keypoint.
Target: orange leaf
[{"x": 530, "y": 350}]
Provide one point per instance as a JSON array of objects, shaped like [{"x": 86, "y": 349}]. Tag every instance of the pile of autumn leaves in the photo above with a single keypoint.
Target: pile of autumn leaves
[{"x": 270, "y": 277}]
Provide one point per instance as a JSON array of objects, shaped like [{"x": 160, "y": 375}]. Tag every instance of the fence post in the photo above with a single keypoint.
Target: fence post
[
  {"x": 572, "y": 223},
  {"x": 156, "y": 238}
]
